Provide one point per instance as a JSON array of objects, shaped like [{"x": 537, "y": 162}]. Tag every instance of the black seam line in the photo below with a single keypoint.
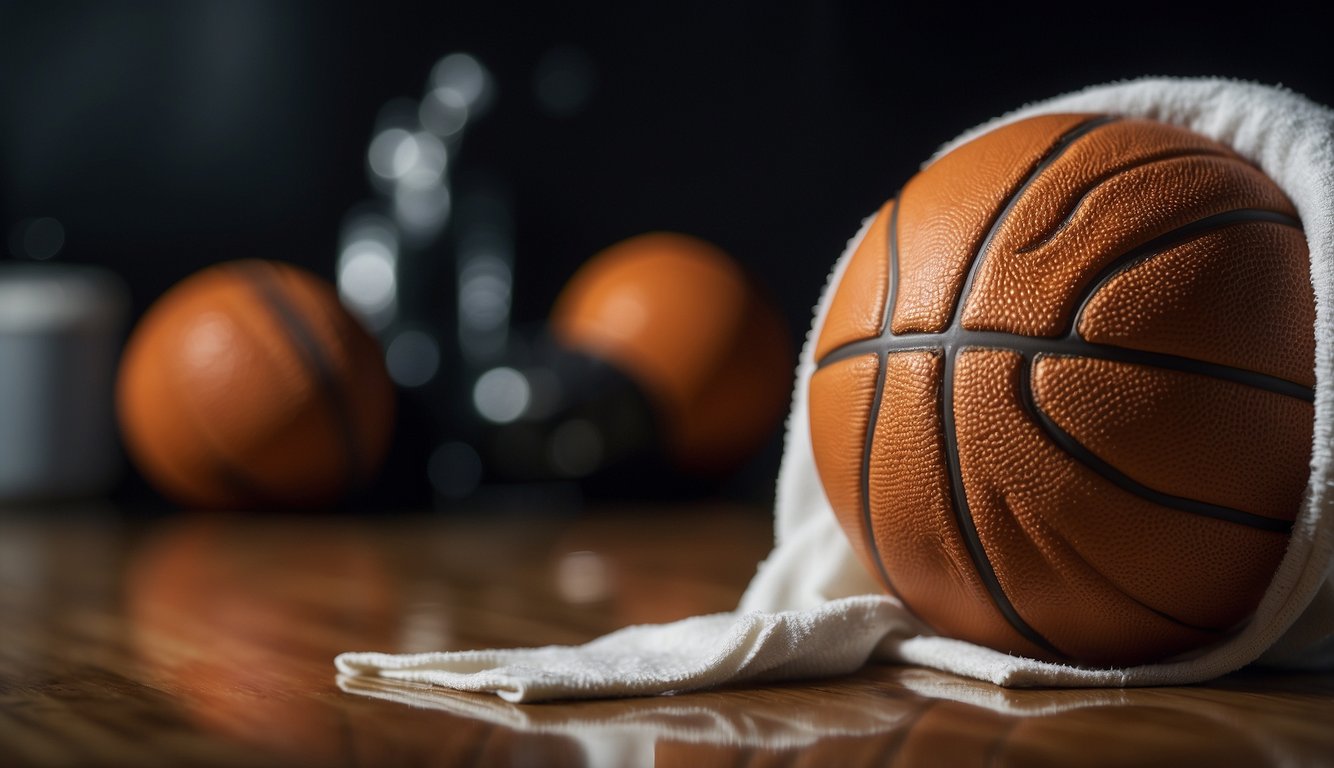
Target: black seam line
[
  {"x": 864, "y": 480},
  {"x": 1084, "y": 455},
  {"x": 1108, "y": 175},
  {"x": 1074, "y": 344},
  {"x": 1059, "y": 148},
  {"x": 892, "y": 288},
  {"x": 317, "y": 363},
  {"x": 1070, "y": 347},
  {"x": 234, "y": 477},
  {"x": 964, "y": 518},
  {"x": 1168, "y": 240},
  {"x": 1058, "y": 437}
]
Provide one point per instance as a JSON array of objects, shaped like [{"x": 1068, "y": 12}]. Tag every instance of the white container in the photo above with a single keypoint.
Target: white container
[{"x": 61, "y": 330}]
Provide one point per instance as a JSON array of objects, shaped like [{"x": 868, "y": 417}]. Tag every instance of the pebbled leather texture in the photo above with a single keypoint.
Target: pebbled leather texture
[
  {"x": 859, "y": 312},
  {"x": 1089, "y": 422},
  {"x": 923, "y": 552},
  {"x": 1212, "y": 299},
  {"x": 946, "y": 212},
  {"x": 1183, "y": 434},
  {"x": 842, "y": 396},
  {"x": 1038, "y": 265},
  {"x": 249, "y": 384}
]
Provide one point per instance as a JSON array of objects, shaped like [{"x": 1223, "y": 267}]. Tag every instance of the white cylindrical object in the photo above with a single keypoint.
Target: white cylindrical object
[{"x": 61, "y": 329}]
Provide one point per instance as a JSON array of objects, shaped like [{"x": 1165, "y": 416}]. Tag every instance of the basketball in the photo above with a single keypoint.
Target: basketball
[
  {"x": 680, "y": 317},
  {"x": 1063, "y": 393},
  {"x": 247, "y": 384}
]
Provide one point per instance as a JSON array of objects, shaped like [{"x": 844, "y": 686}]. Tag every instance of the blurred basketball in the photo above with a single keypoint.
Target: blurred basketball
[
  {"x": 679, "y": 317},
  {"x": 1063, "y": 397},
  {"x": 248, "y": 384}
]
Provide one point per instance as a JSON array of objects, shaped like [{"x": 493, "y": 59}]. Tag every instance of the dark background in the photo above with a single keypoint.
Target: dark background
[{"x": 168, "y": 136}]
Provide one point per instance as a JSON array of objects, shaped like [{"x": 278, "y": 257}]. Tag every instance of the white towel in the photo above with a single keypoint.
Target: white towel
[
  {"x": 641, "y": 731},
  {"x": 812, "y": 610}
]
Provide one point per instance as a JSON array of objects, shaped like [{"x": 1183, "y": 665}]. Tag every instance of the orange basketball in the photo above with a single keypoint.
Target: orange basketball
[
  {"x": 248, "y": 384},
  {"x": 680, "y": 317},
  {"x": 1062, "y": 403}
]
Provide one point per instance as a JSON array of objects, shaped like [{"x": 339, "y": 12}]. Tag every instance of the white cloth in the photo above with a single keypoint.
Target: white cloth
[
  {"x": 633, "y": 732},
  {"x": 812, "y": 610}
]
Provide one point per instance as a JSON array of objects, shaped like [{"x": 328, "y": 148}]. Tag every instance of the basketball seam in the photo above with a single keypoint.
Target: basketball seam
[
  {"x": 1073, "y": 346},
  {"x": 1085, "y": 456},
  {"x": 1174, "y": 238},
  {"x": 864, "y": 480},
  {"x": 1058, "y": 148},
  {"x": 1074, "y": 343},
  {"x": 873, "y": 420},
  {"x": 964, "y": 519},
  {"x": 1110, "y": 174},
  {"x": 955, "y": 339},
  {"x": 311, "y": 352},
  {"x": 959, "y": 494},
  {"x": 892, "y": 289},
  {"x": 245, "y": 490},
  {"x": 959, "y": 503},
  {"x": 1053, "y": 533}
]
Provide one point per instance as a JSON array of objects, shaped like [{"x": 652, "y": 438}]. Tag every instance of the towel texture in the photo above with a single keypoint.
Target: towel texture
[{"x": 813, "y": 610}]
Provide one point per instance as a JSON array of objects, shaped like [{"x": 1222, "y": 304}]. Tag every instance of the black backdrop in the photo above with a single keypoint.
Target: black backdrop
[{"x": 168, "y": 136}]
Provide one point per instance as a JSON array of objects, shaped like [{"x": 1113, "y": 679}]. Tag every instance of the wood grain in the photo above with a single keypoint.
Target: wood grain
[{"x": 208, "y": 641}]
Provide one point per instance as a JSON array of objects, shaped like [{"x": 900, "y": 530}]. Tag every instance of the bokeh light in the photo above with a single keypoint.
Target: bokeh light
[
  {"x": 575, "y": 448},
  {"x": 454, "y": 469},
  {"x": 501, "y": 395},
  {"x": 390, "y": 153},
  {"x": 465, "y": 75},
  {"x": 564, "y": 81},
  {"x": 421, "y": 209},
  {"x": 484, "y": 303},
  {"x": 413, "y": 358},
  {"x": 443, "y": 111},
  {"x": 583, "y": 577},
  {"x": 39, "y": 238},
  {"x": 368, "y": 269}
]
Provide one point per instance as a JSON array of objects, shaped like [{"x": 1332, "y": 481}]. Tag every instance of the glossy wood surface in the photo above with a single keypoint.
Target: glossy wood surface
[{"x": 208, "y": 641}]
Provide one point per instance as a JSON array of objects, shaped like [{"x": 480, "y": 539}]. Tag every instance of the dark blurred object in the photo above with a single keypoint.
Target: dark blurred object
[
  {"x": 61, "y": 328},
  {"x": 549, "y": 414},
  {"x": 664, "y": 366},
  {"x": 699, "y": 337},
  {"x": 427, "y": 264}
]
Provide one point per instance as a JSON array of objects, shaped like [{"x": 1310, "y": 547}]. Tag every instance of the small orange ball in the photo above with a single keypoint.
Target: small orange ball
[
  {"x": 679, "y": 317},
  {"x": 248, "y": 384}
]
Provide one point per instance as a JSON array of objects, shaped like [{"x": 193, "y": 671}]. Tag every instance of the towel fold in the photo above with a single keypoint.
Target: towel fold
[{"x": 812, "y": 610}]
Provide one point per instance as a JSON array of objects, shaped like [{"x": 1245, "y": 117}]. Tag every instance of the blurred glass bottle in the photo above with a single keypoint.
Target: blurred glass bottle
[{"x": 427, "y": 262}]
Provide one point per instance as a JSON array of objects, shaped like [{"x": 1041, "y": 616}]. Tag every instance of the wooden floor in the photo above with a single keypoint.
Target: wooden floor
[{"x": 209, "y": 641}]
